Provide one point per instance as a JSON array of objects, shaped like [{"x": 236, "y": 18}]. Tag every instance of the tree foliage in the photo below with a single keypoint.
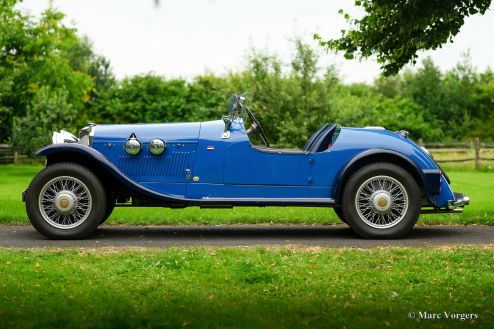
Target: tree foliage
[
  {"x": 39, "y": 59},
  {"x": 395, "y": 30},
  {"x": 49, "y": 110},
  {"x": 50, "y": 79}
]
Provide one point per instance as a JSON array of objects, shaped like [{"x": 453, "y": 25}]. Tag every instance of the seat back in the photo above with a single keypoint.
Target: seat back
[
  {"x": 311, "y": 140},
  {"x": 322, "y": 142}
]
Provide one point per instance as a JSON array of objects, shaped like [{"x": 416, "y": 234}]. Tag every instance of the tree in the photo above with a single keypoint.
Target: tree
[
  {"x": 483, "y": 116},
  {"x": 425, "y": 87},
  {"x": 48, "y": 111},
  {"x": 42, "y": 66},
  {"x": 151, "y": 98},
  {"x": 103, "y": 97},
  {"x": 395, "y": 30}
]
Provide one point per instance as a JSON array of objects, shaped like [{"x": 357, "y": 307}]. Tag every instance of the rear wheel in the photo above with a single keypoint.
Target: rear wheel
[
  {"x": 65, "y": 201},
  {"x": 381, "y": 200},
  {"x": 339, "y": 212}
]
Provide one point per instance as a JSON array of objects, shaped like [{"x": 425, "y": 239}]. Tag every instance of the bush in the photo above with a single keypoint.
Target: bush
[{"x": 48, "y": 112}]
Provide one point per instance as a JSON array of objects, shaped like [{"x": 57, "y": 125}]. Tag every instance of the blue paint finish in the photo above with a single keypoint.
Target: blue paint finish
[
  {"x": 245, "y": 165},
  {"x": 231, "y": 168},
  {"x": 146, "y": 131},
  {"x": 210, "y": 163},
  {"x": 164, "y": 173},
  {"x": 74, "y": 152},
  {"x": 175, "y": 190}
]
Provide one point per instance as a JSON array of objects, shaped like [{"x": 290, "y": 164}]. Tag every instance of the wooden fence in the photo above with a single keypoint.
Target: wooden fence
[
  {"x": 475, "y": 151},
  {"x": 8, "y": 155}
]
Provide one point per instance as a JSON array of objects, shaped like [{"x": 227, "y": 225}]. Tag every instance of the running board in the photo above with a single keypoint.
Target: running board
[
  {"x": 307, "y": 202},
  {"x": 441, "y": 211}
]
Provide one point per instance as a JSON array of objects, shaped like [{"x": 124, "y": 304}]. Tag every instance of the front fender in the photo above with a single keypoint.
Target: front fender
[{"x": 75, "y": 152}]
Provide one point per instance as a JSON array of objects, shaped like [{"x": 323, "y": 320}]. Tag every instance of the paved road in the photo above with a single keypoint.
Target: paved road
[{"x": 246, "y": 235}]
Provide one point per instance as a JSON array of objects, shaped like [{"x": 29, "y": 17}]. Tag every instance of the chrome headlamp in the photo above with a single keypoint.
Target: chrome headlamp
[
  {"x": 86, "y": 134},
  {"x": 63, "y": 137}
]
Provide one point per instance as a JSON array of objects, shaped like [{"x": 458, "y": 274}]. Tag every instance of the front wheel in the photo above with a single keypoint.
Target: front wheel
[
  {"x": 381, "y": 200},
  {"x": 110, "y": 205},
  {"x": 65, "y": 201}
]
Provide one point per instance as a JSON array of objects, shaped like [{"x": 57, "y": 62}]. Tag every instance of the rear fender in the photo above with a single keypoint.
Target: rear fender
[{"x": 429, "y": 179}]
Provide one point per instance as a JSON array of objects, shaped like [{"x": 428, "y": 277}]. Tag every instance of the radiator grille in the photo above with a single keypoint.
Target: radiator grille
[{"x": 172, "y": 165}]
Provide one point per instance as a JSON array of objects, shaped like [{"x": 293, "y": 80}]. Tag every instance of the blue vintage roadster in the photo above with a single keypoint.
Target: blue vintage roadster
[{"x": 377, "y": 181}]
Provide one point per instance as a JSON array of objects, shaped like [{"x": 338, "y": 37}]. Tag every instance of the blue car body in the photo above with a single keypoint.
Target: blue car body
[{"x": 202, "y": 167}]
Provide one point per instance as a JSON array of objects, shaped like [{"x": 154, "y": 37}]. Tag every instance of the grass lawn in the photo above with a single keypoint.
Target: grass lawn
[
  {"x": 478, "y": 185},
  {"x": 245, "y": 287}
]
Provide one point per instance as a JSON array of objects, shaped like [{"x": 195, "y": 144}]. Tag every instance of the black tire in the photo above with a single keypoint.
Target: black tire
[
  {"x": 339, "y": 212},
  {"x": 370, "y": 221},
  {"x": 89, "y": 190},
  {"x": 110, "y": 205}
]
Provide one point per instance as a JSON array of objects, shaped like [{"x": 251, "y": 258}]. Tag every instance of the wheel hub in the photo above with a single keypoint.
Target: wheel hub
[
  {"x": 381, "y": 201},
  {"x": 65, "y": 201}
]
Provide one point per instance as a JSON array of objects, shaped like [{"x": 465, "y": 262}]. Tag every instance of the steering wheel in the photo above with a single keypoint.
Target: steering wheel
[{"x": 256, "y": 126}]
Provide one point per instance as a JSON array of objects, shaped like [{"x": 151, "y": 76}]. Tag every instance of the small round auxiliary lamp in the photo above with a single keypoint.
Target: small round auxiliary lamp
[
  {"x": 132, "y": 145},
  {"x": 157, "y": 146}
]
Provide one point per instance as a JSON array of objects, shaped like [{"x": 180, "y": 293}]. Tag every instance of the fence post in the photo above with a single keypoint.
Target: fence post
[{"x": 477, "y": 152}]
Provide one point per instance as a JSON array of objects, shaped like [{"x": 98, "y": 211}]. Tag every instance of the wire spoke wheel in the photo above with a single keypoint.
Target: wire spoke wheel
[
  {"x": 381, "y": 202},
  {"x": 65, "y": 202}
]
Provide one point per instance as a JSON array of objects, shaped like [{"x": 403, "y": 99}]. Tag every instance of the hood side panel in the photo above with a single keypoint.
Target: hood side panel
[
  {"x": 146, "y": 132},
  {"x": 166, "y": 172}
]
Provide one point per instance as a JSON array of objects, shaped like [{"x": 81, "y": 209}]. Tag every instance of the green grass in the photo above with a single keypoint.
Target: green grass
[
  {"x": 478, "y": 185},
  {"x": 244, "y": 288}
]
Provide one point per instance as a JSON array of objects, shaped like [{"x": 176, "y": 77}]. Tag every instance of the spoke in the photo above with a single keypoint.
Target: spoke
[
  {"x": 81, "y": 202},
  {"x": 367, "y": 198}
]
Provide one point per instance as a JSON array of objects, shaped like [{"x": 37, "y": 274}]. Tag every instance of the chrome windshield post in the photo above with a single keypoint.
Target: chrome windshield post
[
  {"x": 226, "y": 131},
  {"x": 86, "y": 134}
]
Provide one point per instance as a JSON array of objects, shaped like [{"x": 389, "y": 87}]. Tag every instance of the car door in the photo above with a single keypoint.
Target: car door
[
  {"x": 248, "y": 165},
  {"x": 232, "y": 168}
]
